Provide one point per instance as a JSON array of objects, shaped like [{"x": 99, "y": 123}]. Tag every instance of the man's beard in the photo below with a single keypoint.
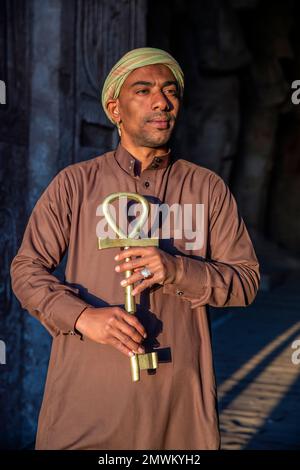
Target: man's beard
[
  {"x": 144, "y": 139},
  {"x": 153, "y": 139}
]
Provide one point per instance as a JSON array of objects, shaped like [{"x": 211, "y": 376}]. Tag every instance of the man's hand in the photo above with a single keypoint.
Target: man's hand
[
  {"x": 163, "y": 266},
  {"x": 114, "y": 326}
]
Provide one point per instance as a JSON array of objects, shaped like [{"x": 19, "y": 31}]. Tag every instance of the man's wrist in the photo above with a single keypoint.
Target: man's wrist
[{"x": 80, "y": 323}]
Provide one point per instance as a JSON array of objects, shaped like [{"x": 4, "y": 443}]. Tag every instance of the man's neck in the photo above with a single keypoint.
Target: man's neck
[{"x": 144, "y": 154}]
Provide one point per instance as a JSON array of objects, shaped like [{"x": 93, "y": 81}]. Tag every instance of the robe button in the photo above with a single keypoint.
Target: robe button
[{"x": 147, "y": 184}]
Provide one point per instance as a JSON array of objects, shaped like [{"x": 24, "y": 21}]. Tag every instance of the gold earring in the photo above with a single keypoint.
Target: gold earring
[{"x": 119, "y": 129}]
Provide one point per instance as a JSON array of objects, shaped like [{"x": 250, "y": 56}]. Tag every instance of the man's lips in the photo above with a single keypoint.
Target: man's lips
[{"x": 161, "y": 124}]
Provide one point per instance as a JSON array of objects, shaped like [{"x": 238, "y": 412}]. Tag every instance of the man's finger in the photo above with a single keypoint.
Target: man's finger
[
  {"x": 133, "y": 321},
  {"x": 133, "y": 264},
  {"x": 142, "y": 286},
  {"x": 130, "y": 331},
  {"x": 128, "y": 342},
  {"x": 120, "y": 346},
  {"x": 135, "y": 251},
  {"x": 132, "y": 279}
]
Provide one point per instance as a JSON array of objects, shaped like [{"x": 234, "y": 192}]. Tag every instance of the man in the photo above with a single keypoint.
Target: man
[{"x": 90, "y": 401}]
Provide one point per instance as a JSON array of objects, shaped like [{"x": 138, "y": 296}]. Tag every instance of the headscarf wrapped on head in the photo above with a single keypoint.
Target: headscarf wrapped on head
[{"x": 133, "y": 60}]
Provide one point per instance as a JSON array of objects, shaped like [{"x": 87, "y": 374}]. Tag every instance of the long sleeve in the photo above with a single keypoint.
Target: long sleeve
[
  {"x": 230, "y": 277},
  {"x": 45, "y": 241}
]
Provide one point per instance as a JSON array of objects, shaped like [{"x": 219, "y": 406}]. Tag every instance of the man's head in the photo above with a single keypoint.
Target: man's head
[{"x": 142, "y": 95}]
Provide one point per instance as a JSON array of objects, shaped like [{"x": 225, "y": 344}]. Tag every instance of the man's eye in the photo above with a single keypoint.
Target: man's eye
[
  {"x": 171, "y": 92},
  {"x": 142, "y": 92}
]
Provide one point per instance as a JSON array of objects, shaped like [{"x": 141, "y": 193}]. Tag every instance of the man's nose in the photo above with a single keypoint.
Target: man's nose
[{"x": 160, "y": 101}]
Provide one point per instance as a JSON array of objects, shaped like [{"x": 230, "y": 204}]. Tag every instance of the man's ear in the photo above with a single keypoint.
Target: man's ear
[{"x": 113, "y": 109}]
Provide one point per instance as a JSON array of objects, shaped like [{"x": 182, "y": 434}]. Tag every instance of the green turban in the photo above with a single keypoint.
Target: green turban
[{"x": 131, "y": 61}]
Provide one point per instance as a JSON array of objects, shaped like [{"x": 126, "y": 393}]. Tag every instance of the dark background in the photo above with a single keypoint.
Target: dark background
[{"x": 239, "y": 58}]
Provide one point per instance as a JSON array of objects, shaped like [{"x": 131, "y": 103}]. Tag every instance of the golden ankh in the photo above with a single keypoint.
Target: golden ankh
[{"x": 138, "y": 361}]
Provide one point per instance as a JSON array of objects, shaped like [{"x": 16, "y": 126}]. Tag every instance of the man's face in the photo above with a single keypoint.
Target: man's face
[{"x": 148, "y": 105}]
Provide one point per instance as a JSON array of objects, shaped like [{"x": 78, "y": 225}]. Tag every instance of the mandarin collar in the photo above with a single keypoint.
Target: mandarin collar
[{"x": 133, "y": 166}]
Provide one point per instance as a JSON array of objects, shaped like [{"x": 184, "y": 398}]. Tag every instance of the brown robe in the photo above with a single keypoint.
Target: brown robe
[{"x": 90, "y": 401}]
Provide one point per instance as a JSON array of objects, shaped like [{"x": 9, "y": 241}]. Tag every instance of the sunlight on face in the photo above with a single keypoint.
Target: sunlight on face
[{"x": 148, "y": 105}]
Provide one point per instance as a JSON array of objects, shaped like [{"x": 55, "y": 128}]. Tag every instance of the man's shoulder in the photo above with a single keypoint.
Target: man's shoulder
[
  {"x": 202, "y": 172},
  {"x": 87, "y": 165},
  {"x": 80, "y": 172}
]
